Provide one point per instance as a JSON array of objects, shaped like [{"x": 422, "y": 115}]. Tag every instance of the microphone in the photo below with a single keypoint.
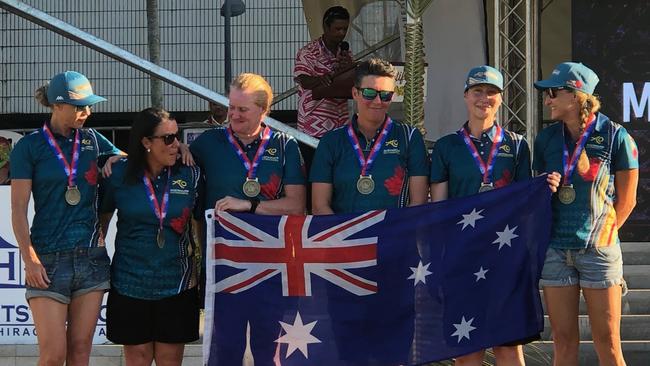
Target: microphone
[{"x": 344, "y": 46}]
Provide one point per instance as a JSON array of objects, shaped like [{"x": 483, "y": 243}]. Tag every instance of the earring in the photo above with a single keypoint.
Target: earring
[{"x": 148, "y": 150}]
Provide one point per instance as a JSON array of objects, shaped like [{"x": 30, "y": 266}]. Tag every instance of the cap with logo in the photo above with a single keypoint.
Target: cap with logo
[
  {"x": 71, "y": 87},
  {"x": 484, "y": 75},
  {"x": 571, "y": 75}
]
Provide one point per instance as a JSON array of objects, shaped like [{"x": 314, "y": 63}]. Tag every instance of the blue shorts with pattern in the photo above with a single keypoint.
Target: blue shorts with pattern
[
  {"x": 73, "y": 273},
  {"x": 596, "y": 267}
]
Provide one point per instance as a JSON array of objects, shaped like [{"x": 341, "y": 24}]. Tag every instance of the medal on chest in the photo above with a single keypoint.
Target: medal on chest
[
  {"x": 484, "y": 167},
  {"x": 159, "y": 208},
  {"x": 365, "y": 183},
  {"x": 251, "y": 187},
  {"x": 567, "y": 193},
  {"x": 72, "y": 193}
]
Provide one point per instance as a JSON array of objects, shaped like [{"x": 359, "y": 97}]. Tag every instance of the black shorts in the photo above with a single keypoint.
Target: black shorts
[{"x": 132, "y": 321}]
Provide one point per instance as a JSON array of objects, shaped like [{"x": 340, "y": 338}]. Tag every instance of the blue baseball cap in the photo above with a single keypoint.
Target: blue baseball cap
[
  {"x": 71, "y": 87},
  {"x": 484, "y": 75},
  {"x": 571, "y": 75}
]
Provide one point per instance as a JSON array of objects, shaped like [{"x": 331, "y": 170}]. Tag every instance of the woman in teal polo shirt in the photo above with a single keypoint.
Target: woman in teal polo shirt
[
  {"x": 599, "y": 161},
  {"x": 153, "y": 305},
  {"x": 479, "y": 157},
  {"x": 66, "y": 264},
  {"x": 249, "y": 168}
]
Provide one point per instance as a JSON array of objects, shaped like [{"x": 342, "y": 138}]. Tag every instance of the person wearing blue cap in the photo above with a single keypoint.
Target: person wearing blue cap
[
  {"x": 479, "y": 157},
  {"x": 66, "y": 264},
  {"x": 599, "y": 164}
]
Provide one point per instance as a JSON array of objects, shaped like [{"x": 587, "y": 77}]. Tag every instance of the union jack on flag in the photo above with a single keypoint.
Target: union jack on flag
[{"x": 296, "y": 253}]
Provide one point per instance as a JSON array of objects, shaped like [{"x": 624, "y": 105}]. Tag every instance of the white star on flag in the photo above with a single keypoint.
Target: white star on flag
[
  {"x": 470, "y": 219},
  {"x": 298, "y": 336},
  {"x": 480, "y": 275},
  {"x": 463, "y": 329},
  {"x": 420, "y": 273},
  {"x": 505, "y": 236}
]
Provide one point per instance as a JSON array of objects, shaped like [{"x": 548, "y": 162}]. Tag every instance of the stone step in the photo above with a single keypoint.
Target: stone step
[
  {"x": 636, "y": 302},
  {"x": 637, "y": 276},
  {"x": 636, "y": 253},
  {"x": 633, "y": 328},
  {"x": 636, "y": 353}
]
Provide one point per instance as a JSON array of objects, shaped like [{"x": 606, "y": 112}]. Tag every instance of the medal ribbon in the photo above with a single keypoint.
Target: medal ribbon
[
  {"x": 160, "y": 210},
  {"x": 251, "y": 166},
  {"x": 366, "y": 164},
  {"x": 70, "y": 169},
  {"x": 569, "y": 163},
  {"x": 484, "y": 168}
]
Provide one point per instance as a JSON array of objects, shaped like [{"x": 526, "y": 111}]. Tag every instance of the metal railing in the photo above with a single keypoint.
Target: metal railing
[{"x": 66, "y": 30}]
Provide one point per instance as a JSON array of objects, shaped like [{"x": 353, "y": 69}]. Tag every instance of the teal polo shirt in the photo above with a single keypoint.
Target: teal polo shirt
[
  {"x": 590, "y": 220},
  {"x": 141, "y": 269},
  {"x": 57, "y": 225},
  {"x": 452, "y": 161},
  {"x": 225, "y": 174},
  {"x": 402, "y": 156}
]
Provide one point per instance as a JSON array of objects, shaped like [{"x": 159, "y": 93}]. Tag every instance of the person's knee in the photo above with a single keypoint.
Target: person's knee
[
  {"x": 472, "y": 359},
  {"x": 52, "y": 358},
  {"x": 509, "y": 356}
]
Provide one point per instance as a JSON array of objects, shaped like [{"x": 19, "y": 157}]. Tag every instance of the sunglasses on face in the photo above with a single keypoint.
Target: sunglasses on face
[
  {"x": 552, "y": 92},
  {"x": 82, "y": 108},
  {"x": 167, "y": 139},
  {"x": 371, "y": 94}
]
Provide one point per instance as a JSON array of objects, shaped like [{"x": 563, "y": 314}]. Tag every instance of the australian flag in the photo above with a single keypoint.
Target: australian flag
[{"x": 386, "y": 287}]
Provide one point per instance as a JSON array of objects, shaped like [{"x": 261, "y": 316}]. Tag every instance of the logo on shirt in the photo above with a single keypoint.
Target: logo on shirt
[
  {"x": 392, "y": 143},
  {"x": 596, "y": 142},
  {"x": 504, "y": 148},
  {"x": 597, "y": 139},
  {"x": 271, "y": 155},
  {"x": 87, "y": 145},
  {"x": 179, "y": 183},
  {"x": 272, "y": 151}
]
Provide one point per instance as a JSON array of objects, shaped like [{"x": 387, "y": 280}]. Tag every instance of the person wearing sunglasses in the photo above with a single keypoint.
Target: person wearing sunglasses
[
  {"x": 371, "y": 163},
  {"x": 600, "y": 172},
  {"x": 479, "y": 157},
  {"x": 153, "y": 304},
  {"x": 66, "y": 263},
  {"x": 250, "y": 168}
]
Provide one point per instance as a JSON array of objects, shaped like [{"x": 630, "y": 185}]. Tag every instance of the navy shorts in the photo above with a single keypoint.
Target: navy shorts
[{"x": 72, "y": 273}]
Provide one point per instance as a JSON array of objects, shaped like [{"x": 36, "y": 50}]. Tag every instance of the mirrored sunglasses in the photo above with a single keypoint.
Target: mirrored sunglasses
[{"x": 371, "y": 94}]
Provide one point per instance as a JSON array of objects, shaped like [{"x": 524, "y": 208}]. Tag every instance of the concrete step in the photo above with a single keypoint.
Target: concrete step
[
  {"x": 636, "y": 253},
  {"x": 101, "y": 355},
  {"x": 633, "y": 328},
  {"x": 636, "y": 353},
  {"x": 637, "y": 276},
  {"x": 636, "y": 302}
]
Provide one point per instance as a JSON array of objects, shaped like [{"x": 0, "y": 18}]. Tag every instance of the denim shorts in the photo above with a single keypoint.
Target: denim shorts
[
  {"x": 598, "y": 268},
  {"x": 73, "y": 273}
]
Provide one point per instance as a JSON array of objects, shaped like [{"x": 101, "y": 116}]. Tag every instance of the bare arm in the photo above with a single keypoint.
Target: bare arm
[
  {"x": 625, "y": 184},
  {"x": 35, "y": 274},
  {"x": 321, "y": 199},
  {"x": 293, "y": 203},
  {"x": 439, "y": 191},
  {"x": 312, "y": 82},
  {"x": 418, "y": 190},
  {"x": 104, "y": 220}
]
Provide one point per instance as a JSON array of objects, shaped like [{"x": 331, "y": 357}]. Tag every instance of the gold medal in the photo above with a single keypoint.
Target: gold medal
[
  {"x": 365, "y": 184},
  {"x": 73, "y": 196},
  {"x": 251, "y": 187},
  {"x": 486, "y": 187},
  {"x": 566, "y": 194},
  {"x": 160, "y": 238}
]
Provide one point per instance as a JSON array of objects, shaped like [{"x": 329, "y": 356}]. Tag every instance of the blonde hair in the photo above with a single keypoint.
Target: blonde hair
[
  {"x": 256, "y": 84},
  {"x": 41, "y": 95},
  {"x": 589, "y": 104}
]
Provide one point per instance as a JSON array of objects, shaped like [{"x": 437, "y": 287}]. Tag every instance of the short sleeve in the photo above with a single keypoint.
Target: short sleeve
[
  {"x": 294, "y": 165},
  {"x": 105, "y": 146},
  {"x": 322, "y": 166},
  {"x": 625, "y": 152},
  {"x": 522, "y": 171},
  {"x": 418, "y": 163},
  {"x": 21, "y": 160},
  {"x": 439, "y": 167},
  {"x": 304, "y": 64}
]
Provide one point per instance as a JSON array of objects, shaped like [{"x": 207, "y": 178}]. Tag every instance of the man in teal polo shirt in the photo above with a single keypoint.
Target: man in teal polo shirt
[{"x": 371, "y": 163}]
